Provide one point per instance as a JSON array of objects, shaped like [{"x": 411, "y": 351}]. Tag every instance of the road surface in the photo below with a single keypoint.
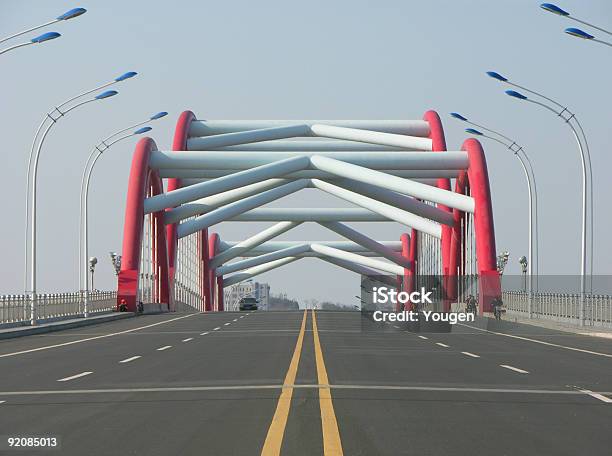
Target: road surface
[{"x": 294, "y": 383}]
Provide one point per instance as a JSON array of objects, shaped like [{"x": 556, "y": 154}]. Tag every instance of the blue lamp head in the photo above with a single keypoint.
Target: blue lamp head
[
  {"x": 497, "y": 76},
  {"x": 471, "y": 131},
  {"x": 553, "y": 9},
  {"x": 159, "y": 115},
  {"x": 579, "y": 33},
  {"x": 515, "y": 94},
  {"x": 124, "y": 76},
  {"x": 456, "y": 115},
  {"x": 107, "y": 94},
  {"x": 45, "y": 37},
  {"x": 142, "y": 130},
  {"x": 74, "y": 12}
]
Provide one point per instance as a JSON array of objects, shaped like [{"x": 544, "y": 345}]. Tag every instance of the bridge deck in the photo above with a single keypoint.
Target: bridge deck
[{"x": 197, "y": 390}]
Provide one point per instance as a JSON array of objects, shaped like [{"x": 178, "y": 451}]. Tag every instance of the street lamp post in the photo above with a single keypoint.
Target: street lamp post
[
  {"x": 32, "y": 174},
  {"x": 116, "y": 261},
  {"x": 526, "y": 165},
  {"x": 551, "y": 8},
  {"x": 96, "y": 153},
  {"x": 587, "y": 175},
  {"x": 92, "y": 268},
  {"x": 75, "y": 12},
  {"x": 37, "y": 40},
  {"x": 524, "y": 265}
]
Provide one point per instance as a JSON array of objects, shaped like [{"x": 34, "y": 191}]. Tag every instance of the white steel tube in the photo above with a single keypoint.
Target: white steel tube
[
  {"x": 393, "y": 213},
  {"x": 375, "y": 160},
  {"x": 252, "y": 272},
  {"x": 266, "y": 258},
  {"x": 230, "y": 252},
  {"x": 273, "y": 246},
  {"x": 372, "y": 137},
  {"x": 419, "y": 175},
  {"x": 222, "y": 184},
  {"x": 353, "y": 257},
  {"x": 404, "y": 186},
  {"x": 401, "y": 127},
  {"x": 325, "y": 214},
  {"x": 312, "y": 145},
  {"x": 398, "y": 200},
  {"x": 204, "y": 205},
  {"x": 367, "y": 242},
  {"x": 237, "y": 208}
]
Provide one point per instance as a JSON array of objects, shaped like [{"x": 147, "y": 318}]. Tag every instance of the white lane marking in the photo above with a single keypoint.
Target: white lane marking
[
  {"x": 72, "y": 377},
  {"x": 241, "y": 316},
  {"x": 582, "y": 350},
  {"x": 165, "y": 347},
  {"x": 423, "y": 337},
  {"x": 515, "y": 369},
  {"x": 2, "y": 402},
  {"x": 235, "y": 319},
  {"x": 217, "y": 328},
  {"x": 225, "y": 324},
  {"x": 127, "y": 360},
  {"x": 397, "y": 327},
  {"x": 601, "y": 397},
  {"x": 188, "y": 339},
  {"x": 471, "y": 354},
  {"x": 46, "y": 347},
  {"x": 442, "y": 345},
  {"x": 204, "y": 333}
]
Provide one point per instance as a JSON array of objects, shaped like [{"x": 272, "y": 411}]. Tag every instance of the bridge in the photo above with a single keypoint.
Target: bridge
[
  {"x": 188, "y": 376},
  {"x": 445, "y": 354}
]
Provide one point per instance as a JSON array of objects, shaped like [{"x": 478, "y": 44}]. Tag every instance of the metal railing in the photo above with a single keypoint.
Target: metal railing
[
  {"x": 16, "y": 308},
  {"x": 563, "y": 307}
]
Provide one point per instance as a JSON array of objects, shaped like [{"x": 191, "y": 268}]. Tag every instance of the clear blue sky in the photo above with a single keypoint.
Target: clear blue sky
[{"x": 317, "y": 59}]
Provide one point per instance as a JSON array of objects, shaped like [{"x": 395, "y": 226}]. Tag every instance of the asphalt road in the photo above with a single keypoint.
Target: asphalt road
[{"x": 279, "y": 382}]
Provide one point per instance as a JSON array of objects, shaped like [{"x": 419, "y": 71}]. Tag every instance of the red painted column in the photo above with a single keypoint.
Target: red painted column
[
  {"x": 220, "y": 304},
  {"x": 489, "y": 283},
  {"x": 439, "y": 145},
  {"x": 179, "y": 142},
  {"x": 413, "y": 255},
  {"x": 141, "y": 179},
  {"x": 204, "y": 273},
  {"x": 405, "y": 239},
  {"x": 213, "y": 244}
]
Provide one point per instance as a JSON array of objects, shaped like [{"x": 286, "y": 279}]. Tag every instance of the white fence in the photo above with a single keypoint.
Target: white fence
[
  {"x": 563, "y": 307},
  {"x": 17, "y": 308}
]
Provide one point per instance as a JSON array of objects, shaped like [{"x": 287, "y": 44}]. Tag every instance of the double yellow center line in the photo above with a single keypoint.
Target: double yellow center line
[{"x": 332, "y": 445}]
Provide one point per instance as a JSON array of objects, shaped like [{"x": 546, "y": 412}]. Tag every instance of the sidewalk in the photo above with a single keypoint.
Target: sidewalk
[
  {"x": 594, "y": 331},
  {"x": 59, "y": 325}
]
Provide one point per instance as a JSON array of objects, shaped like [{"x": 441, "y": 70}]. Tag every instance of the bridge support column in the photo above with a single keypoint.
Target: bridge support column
[
  {"x": 204, "y": 274},
  {"x": 220, "y": 303},
  {"x": 213, "y": 249}
]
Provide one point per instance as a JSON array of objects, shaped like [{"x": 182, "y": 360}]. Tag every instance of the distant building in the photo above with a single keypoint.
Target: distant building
[{"x": 257, "y": 290}]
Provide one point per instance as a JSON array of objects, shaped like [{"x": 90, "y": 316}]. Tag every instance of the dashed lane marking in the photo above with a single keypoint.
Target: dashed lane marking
[
  {"x": 129, "y": 360},
  {"x": 72, "y": 377},
  {"x": 165, "y": 347},
  {"x": 127, "y": 331},
  {"x": 515, "y": 369},
  {"x": 471, "y": 354}
]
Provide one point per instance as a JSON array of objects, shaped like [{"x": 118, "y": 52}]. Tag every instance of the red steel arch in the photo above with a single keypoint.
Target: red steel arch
[{"x": 143, "y": 182}]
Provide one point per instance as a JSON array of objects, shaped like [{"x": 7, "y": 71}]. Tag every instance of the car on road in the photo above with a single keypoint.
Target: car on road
[{"x": 248, "y": 304}]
